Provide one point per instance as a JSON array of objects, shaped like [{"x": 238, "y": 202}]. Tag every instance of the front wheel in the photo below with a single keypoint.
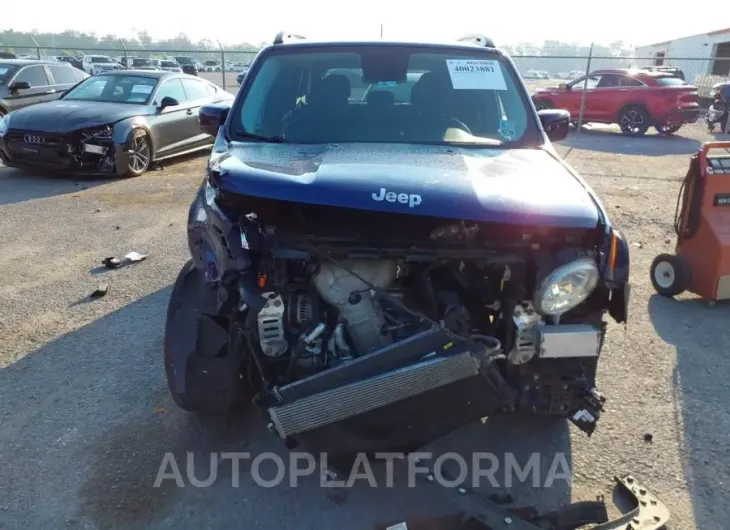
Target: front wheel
[
  {"x": 633, "y": 120},
  {"x": 140, "y": 156},
  {"x": 670, "y": 274}
]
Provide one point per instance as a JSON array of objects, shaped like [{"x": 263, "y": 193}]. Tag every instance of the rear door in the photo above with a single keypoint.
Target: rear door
[
  {"x": 170, "y": 126},
  {"x": 63, "y": 78},
  {"x": 39, "y": 91},
  {"x": 199, "y": 92}
]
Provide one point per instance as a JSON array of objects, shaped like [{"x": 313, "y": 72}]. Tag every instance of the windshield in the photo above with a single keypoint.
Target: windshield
[
  {"x": 185, "y": 60},
  {"x": 101, "y": 60},
  {"x": 114, "y": 89},
  {"x": 168, "y": 63},
  {"x": 6, "y": 72},
  {"x": 141, "y": 62},
  {"x": 396, "y": 94}
]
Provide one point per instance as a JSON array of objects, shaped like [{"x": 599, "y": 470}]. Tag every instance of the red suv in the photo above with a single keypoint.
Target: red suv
[{"x": 633, "y": 99}]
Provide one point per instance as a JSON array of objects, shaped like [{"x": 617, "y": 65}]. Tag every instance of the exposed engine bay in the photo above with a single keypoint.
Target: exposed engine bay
[
  {"x": 339, "y": 336},
  {"x": 321, "y": 314}
]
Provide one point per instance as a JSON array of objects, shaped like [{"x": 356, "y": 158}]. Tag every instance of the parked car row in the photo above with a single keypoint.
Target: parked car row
[
  {"x": 537, "y": 74},
  {"x": 215, "y": 66},
  {"x": 635, "y": 99}
]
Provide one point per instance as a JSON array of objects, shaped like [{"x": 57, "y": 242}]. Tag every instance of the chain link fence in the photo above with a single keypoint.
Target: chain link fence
[{"x": 539, "y": 66}]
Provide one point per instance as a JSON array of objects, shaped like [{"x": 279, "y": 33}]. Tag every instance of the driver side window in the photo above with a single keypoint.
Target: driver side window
[
  {"x": 173, "y": 89},
  {"x": 593, "y": 81}
]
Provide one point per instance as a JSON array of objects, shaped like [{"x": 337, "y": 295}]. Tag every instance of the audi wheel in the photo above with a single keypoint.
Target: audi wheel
[{"x": 140, "y": 156}]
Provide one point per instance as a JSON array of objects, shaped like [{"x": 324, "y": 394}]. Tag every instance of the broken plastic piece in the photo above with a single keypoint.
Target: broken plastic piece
[
  {"x": 100, "y": 291},
  {"x": 135, "y": 257},
  {"x": 111, "y": 263}
]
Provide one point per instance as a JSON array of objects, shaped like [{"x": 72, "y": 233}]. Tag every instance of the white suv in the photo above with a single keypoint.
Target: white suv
[{"x": 96, "y": 64}]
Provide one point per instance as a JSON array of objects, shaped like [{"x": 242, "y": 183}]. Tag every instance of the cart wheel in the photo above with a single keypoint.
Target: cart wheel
[{"x": 670, "y": 274}]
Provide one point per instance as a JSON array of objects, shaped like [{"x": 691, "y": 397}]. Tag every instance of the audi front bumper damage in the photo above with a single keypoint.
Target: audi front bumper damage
[{"x": 81, "y": 152}]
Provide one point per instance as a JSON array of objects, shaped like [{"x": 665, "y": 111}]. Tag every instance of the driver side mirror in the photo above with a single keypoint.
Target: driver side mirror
[
  {"x": 212, "y": 117},
  {"x": 556, "y": 123},
  {"x": 167, "y": 101},
  {"x": 19, "y": 85},
  {"x": 563, "y": 86}
]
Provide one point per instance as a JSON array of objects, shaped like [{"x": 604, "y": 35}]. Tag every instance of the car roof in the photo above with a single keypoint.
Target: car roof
[
  {"x": 445, "y": 44},
  {"x": 634, "y": 72},
  {"x": 152, "y": 74},
  {"x": 25, "y": 62}
]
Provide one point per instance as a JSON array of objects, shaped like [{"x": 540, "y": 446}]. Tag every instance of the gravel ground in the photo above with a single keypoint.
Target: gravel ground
[{"x": 85, "y": 417}]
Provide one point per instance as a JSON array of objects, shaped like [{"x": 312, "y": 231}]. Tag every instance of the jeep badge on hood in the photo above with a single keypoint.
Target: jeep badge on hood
[{"x": 411, "y": 199}]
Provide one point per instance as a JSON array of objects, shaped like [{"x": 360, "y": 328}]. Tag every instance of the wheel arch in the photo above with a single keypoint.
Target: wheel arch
[{"x": 124, "y": 129}]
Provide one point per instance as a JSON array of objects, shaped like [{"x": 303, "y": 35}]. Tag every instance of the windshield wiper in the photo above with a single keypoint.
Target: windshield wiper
[{"x": 260, "y": 138}]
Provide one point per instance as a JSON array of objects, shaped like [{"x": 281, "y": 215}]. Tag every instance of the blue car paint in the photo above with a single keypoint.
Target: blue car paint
[{"x": 522, "y": 187}]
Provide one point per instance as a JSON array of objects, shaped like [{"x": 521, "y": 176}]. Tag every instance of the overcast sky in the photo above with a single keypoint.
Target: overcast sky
[{"x": 635, "y": 22}]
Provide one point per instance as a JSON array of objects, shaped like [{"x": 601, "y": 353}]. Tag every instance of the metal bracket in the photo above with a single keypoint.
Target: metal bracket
[{"x": 650, "y": 513}]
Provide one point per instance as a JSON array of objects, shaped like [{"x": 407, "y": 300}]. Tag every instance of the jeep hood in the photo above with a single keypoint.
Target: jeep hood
[{"x": 516, "y": 186}]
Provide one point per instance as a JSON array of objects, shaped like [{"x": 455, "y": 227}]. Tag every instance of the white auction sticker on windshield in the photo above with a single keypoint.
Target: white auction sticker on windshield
[
  {"x": 472, "y": 74},
  {"x": 142, "y": 89}
]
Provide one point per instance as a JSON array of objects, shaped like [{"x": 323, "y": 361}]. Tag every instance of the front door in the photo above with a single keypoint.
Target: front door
[
  {"x": 39, "y": 91},
  {"x": 574, "y": 97},
  {"x": 171, "y": 128}
]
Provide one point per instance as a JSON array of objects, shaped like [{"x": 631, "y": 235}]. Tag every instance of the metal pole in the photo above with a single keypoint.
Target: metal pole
[
  {"x": 223, "y": 64},
  {"x": 37, "y": 47},
  {"x": 381, "y": 31},
  {"x": 585, "y": 87},
  {"x": 126, "y": 59}
]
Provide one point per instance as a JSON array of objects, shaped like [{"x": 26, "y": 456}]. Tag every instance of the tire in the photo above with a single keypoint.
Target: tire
[
  {"x": 668, "y": 128},
  {"x": 211, "y": 383},
  {"x": 140, "y": 161},
  {"x": 634, "y": 120},
  {"x": 670, "y": 274}
]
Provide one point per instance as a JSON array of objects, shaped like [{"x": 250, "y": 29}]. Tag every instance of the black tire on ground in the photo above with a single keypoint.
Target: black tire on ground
[
  {"x": 141, "y": 157},
  {"x": 668, "y": 128},
  {"x": 212, "y": 382},
  {"x": 670, "y": 274},
  {"x": 634, "y": 120}
]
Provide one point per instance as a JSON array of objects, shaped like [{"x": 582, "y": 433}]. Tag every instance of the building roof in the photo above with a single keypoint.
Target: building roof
[{"x": 710, "y": 33}]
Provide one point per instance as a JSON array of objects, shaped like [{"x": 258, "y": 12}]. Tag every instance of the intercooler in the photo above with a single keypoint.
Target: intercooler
[{"x": 324, "y": 408}]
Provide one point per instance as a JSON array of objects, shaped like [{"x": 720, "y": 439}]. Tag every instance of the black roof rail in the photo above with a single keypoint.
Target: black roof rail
[
  {"x": 283, "y": 36},
  {"x": 481, "y": 40}
]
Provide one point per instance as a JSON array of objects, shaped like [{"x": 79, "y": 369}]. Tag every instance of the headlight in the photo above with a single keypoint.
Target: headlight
[{"x": 566, "y": 287}]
